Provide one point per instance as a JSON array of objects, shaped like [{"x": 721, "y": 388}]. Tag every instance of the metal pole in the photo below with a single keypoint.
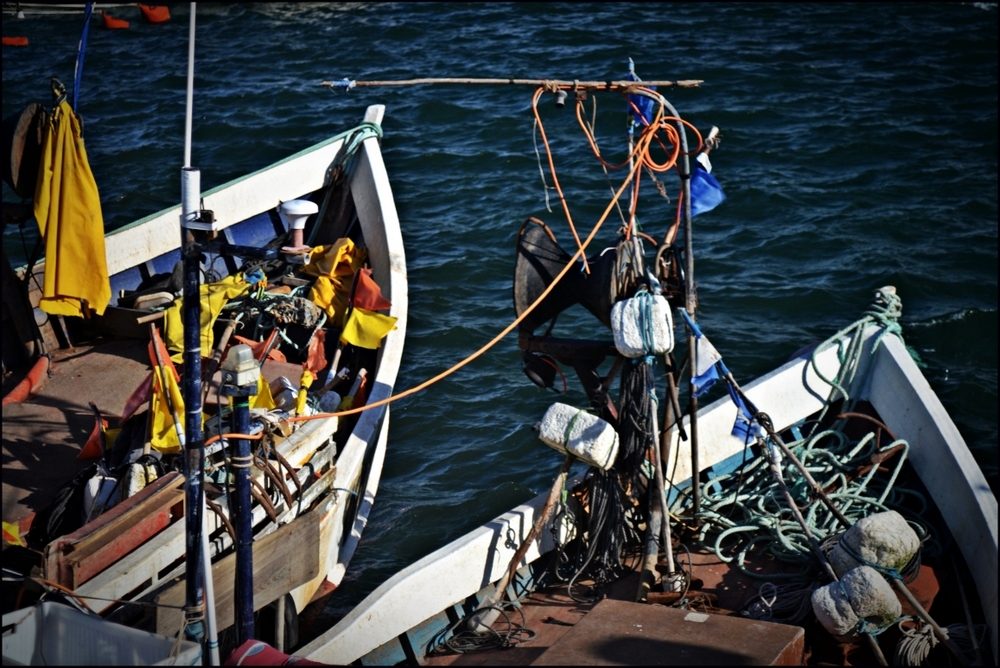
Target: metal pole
[
  {"x": 690, "y": 302},
  {"x": 241, "y": 464},
  {"x": 213, "y": 629},
  {"x": 240, "y": 375},
  {"x": 189, "y": 111},
  {"x": 191, "y": 383}
]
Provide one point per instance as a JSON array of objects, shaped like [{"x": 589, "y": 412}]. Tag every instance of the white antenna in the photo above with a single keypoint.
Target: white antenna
[{"x": 190, "y": 91}]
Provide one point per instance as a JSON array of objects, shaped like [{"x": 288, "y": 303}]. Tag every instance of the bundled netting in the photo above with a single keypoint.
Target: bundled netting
[
  {"x": 784, "y": 604},
  {"x": 611, "y": 532},
  {"x": 635, "y": 426}
]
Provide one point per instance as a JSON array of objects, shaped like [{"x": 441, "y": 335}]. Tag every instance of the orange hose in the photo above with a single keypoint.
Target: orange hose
[
  {"x": 248, "y": 437},
  {"x": 30, "y": 384},
  {"x": 641, "y": 155}
]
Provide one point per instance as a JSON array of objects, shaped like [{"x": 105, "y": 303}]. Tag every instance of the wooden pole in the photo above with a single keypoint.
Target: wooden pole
[{"x": 553, "y": 83}]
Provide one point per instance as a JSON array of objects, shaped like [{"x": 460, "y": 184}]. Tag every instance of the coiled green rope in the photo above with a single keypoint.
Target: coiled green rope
[{"x": 744, "y": 511}]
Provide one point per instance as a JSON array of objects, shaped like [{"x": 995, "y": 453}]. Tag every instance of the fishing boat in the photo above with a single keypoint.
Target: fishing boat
[
  {"x": 322, "y": 220},
  {"x": 751, "y": 530}
]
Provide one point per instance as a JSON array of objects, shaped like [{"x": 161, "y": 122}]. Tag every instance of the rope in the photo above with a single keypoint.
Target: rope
[
  {"x": 743, "y": 511},
  {"x": 916, "y": 644},
  {"x": 609, "y": 532},
  {"x": 496, "y": 339},
  {"x": 784, "y": 604},
  {"x": 884, "y": 311},
  {"x": 635, "y": 427},
  {"x": 464, "y": 642}
]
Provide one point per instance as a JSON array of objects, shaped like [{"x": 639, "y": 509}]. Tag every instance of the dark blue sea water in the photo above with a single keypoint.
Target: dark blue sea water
[{"x": 859, "y": 149}]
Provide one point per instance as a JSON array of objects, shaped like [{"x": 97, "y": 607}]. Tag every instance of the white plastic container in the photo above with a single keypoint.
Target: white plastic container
[
  {"x": 576, "y": 432},
  {"x": 53, "y": 634},
  {"x": 643, "y": 316}
]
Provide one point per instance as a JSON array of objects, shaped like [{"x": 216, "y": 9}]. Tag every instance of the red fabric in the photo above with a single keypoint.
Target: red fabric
[
  {"x": 155, "y": 13},
  {"x": 113, "y": 23},
  {"x": 140, "y": 397},
  {"x": 15, "y": 41},
  {"x": 367, "y": 294},
  {"x": 316, "y": 357},
  {"x": 93, "y": 449},
  {"x": 258, "y": 653}
]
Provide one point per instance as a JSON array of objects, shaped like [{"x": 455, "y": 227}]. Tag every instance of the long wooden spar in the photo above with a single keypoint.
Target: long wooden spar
[{"x": 551, "y": 83}]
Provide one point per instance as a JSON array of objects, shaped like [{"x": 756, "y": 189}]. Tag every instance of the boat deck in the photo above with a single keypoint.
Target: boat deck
[
  {"x": 43, "y": 436},
  {"x": 615, "y": 635}
]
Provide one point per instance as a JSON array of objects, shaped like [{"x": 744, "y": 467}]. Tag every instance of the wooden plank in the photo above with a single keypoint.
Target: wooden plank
[
  {"x": 140, "y": 566},
  {"x": 282, "y": 561},
  {"x": 75, "y": 558}
]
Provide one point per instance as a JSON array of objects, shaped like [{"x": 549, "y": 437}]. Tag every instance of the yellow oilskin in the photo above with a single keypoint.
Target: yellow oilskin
[{"x": 68, "y": 211}]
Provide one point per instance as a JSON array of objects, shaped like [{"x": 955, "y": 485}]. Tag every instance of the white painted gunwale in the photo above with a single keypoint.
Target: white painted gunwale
[{"x": 790, "y": 393}]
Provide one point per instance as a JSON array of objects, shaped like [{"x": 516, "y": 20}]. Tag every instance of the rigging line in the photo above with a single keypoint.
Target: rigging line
[
  {"x": 538, "y": 156},
  {"x": 555, "y": 179},
  {"x": 507, "y": 330}
]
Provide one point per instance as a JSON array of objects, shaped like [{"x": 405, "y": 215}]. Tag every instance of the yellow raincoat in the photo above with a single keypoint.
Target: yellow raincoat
[
  {"x": 68, "y": 211},
  {"x": 334, "y": 266}
]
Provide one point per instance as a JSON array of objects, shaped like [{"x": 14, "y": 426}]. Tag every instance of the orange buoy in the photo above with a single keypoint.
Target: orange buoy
[
  {"x": 155, "y": 13},
  {"x": 31, "y": 384},
  {"x": 15, "y": 41},
  {"x": 113, "y": 23}
]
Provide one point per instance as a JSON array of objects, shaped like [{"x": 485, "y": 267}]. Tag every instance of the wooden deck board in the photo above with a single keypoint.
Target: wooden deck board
[{"x": 42, "y": 437}]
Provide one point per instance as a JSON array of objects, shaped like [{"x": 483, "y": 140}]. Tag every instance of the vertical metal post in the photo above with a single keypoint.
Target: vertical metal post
[
  {"x": 240, "y": 375},
  {"x": 690, "y": 302},
  {"x": 194, "y": 448},
  {"x": 243, "y": 522}
]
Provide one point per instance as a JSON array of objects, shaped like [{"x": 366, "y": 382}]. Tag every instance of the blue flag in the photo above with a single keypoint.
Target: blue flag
[
  {"x": 745, "y": 427},
  {"x": 642, "y": 103},
  {"x": 706, "y": 193},
  {"x": 708, "y": 368},
  {"x": 705, "y": 370}
]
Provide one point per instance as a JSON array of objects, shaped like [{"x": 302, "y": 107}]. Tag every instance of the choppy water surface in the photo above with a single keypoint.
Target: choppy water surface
[{"x": 859, "y": 150}]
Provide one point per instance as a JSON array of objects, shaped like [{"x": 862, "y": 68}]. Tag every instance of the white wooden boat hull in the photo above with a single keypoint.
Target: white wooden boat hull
[
  {"x": 897, "y": 390},
  {"x": 354, "y": 465}
]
